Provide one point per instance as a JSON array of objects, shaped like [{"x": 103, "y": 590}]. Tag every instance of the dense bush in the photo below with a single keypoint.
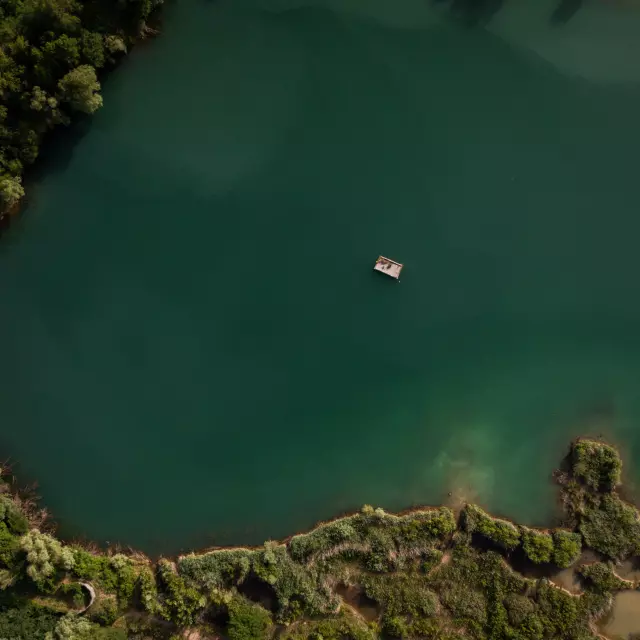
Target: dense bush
[
  {"x": 611, "y": 527},
  {"x": 596, "y": 464},
  {"x": 567, "y": 547},
  {"x": 537, "y": 545},
  {"x": 502, "y": 533},
  {"x": 114, "y": 574},
  {"x": 23, "y": 620},
  {"x": 217, "y": 569},
  {"x": 181, "y": 604},
  {"x": 248, "y": 621},
  {"x": 601, "y": 578},
  {"x": 44, "y": 555},
  {"x": 400, "y": 595}
]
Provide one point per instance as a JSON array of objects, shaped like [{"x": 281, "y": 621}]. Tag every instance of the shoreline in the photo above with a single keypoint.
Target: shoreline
[{"x": 403, "y": 570}]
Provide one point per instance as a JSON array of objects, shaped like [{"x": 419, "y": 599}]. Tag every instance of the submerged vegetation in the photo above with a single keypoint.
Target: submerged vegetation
[
  {"x": 424, "y": 574},
  {"x": 51, "y": 52}
]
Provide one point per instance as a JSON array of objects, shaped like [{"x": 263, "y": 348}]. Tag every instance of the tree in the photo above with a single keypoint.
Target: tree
[
  {"x": 11, "y": 190},
  {"x": 44, "y": 554},
  {"x": 80, "y": 89}
]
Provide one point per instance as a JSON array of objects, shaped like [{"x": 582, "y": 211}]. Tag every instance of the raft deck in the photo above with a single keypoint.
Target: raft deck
[{"x": 388, "y": 267}]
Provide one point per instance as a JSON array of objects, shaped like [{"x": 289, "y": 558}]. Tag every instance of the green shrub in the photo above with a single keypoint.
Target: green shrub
[
  {"x": 464, "y": 603},
  {"x": 567, "y": 548},
  {"x": 611, "y": 527},
  {"x": 600, "y": 578},
  {"x": 9, "y": 548},
  {"x": 292, "y": 582},
  {"x": 518, "y": 608},
  {"x": 502, "y": 533},
  {"x": 181, "y": 603},
  {"x": 44, "y": 555},
  {"x": 14, "y": 517},
  {"x": 596, "y": 464},
  {"x": 148, "y": 591},
  {"x": 217, "y": 569},
  {"x": 400, "y": 595},
  {"x": 537, "y": 545},
  {"x": 343, "y": 626},
  {"x": 23, "y": 620},
  {"x": 104, "y": 611},
  {"x": 248, "y": 621}
]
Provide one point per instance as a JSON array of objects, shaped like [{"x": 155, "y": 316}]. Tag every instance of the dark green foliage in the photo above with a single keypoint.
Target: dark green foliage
[
  {"x": 600, "y": 578},
  {"x": 400, "y": 595},
  {"x": 537, "y": 545},
  {"x": 15, "y": 518},
  {"x": 248, "y": 621},
  {"x": 567, "y": 547},
  {"x": 560, "y": 614},
  {"x": 519, "y": 608},
  {"x": 105, "y": 611},
  {"x": 22, "y": 620},
  {"x": 49, "y": 50},
  {"x": 9, "y": 548},
  {"x": 181, "y": 604},
  {"x": 611, "y": 526},
  {"x": 596, "y": 464},
  {"x": 73, "y": 593},
  {"x": 502, "y": 533}
]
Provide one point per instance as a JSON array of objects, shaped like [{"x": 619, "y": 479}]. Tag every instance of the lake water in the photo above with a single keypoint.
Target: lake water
[{"x": 196, "y": 349}]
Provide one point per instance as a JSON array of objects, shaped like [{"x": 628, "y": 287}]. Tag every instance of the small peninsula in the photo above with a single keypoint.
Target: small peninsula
[{"x": 427, "y": 573}]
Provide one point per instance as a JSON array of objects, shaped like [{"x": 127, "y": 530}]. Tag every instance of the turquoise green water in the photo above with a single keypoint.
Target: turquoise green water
[{"x": 196, "y": 349}]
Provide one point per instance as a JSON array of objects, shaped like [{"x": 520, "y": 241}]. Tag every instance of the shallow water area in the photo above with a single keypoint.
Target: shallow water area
[
  {"x": 625, "y": 616},
  {"x": 197, "y": 350}
]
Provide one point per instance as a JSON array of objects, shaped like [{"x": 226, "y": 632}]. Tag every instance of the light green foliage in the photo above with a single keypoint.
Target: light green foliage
[
  {"x": 537, "y": 545},
  {"x": 114, "y": 574},
  {"x": 80, "y": 89},
  {"x": 567, "y": 547},
  {"x": 596, "y": 464},
  {"x": 180, "y": 603},
  {"x": 384, "y": 533},
  {"x": 248, "y": 621},
  {"x": 601, "y": 578},
  {"x": 148, "y": 591},
  {"x": 11, "y": 190},
  {"x": 502, "y": 533},
  {"x": 72, "y": 627},
  {"x": 115, "y": 45},
  {"x": 611, "y": 527},
  {"x": 44, "y": 555}
]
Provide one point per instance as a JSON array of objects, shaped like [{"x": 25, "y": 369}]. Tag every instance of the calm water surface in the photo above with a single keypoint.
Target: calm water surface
[{"x": 196, "y": 348}]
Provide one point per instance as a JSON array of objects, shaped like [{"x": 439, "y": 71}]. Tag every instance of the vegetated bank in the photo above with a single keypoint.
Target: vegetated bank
[
  {"x": 50, "y": 54},
  {"x": 428, "y": 573}
]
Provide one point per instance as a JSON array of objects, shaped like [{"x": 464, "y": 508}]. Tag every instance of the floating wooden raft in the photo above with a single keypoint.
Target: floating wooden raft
[{"x": 388, "y": 267}]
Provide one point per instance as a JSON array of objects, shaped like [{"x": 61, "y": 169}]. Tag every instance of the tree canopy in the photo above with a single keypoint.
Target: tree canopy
[{"x": 51, "y": 52}]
